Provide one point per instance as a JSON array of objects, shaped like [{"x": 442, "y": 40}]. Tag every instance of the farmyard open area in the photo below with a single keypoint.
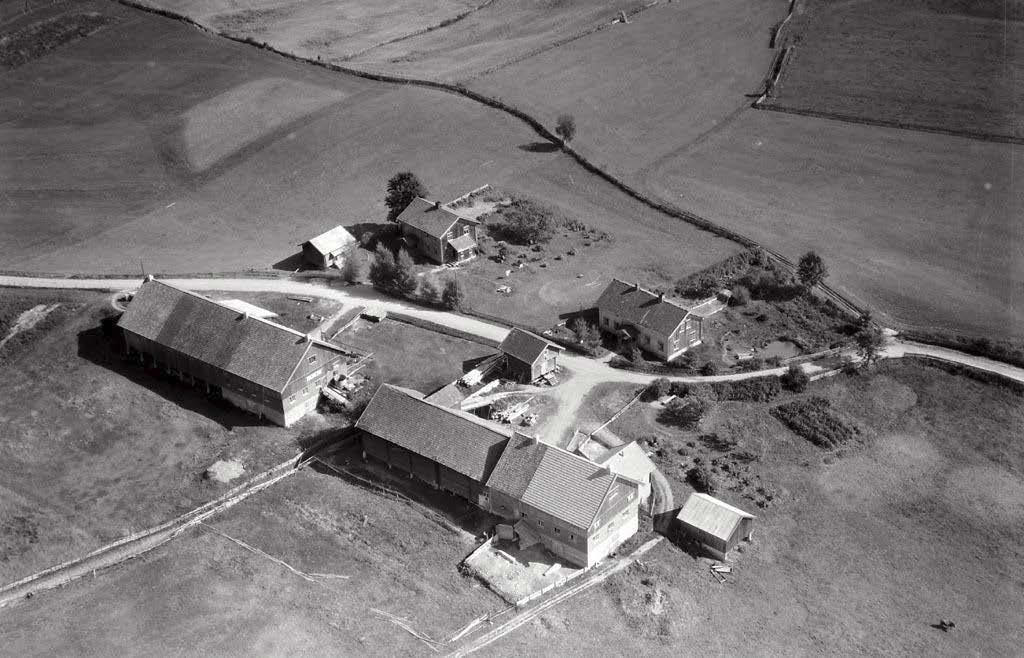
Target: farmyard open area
[{"x": 510, "y": 328}]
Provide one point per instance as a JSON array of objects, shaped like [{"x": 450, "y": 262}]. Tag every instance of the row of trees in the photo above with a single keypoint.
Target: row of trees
[{"x": 397, "y": 276}]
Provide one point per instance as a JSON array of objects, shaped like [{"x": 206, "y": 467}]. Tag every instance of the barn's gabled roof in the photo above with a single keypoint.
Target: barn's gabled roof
[
  {"x": 641, "y": 307},
  {"x": 524, "y": 346},
  {"x": 566, "y": 486},
  {"x": 431, "y": 218},
  {"x": 333, "y": 240},
  {"x": 711, "y": 515},
  {"x": 460, "y": 441},
  {"x": 255, "y": 349}
]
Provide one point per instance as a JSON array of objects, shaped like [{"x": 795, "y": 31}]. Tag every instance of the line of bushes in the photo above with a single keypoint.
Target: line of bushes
[
  {"x": 998, "y": 350},
  {"x": 813, "y": 419},
  {"x": 983, "y": 376},
  {"x": 758, "y": 389}
]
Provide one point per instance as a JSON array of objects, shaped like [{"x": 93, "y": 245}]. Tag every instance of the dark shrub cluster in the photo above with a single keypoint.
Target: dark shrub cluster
[
  {"x": 814, "y": 420},
  {"x": 759, "y": 389},
  {"x": 795, "y": 379}
]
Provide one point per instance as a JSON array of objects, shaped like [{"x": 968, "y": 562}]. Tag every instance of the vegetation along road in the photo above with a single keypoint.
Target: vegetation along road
[{"x": 588, "y": 371}]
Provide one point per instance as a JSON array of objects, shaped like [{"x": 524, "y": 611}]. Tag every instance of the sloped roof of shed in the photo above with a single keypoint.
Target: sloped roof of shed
[
  {"x": 711, "y": 515},
  {"x": 333, "y": 240},
  {"x": 430, "y": 218},
  {"x": 641, "y": 307},
  {"x": 455, "y": 439},
  {"x": 525, "y": 346},
  {"x": 254, "y": 349}
]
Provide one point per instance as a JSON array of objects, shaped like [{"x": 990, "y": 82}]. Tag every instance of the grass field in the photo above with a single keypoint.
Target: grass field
[
  {"x": 858, "y": 552},
  {"x": 165, "y": 145},
  {"x": 921, "y": 226},
  {"x": 333, "y": 30},
  {"x": 93, "y": 448},
  {"x": 944, "y": 64},
  {"x": 204, "y": 595}
]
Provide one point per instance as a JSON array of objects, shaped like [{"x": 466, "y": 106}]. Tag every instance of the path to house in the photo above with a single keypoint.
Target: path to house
[{"x": 587, "y": 372}]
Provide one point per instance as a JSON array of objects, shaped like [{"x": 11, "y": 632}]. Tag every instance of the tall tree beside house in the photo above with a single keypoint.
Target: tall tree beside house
[
  {"x": 565, "y": 127},
  {"x": 527, "y": 222},
  {"x": 452, "y": 297},
  {"x": 405, "y": 281},
  {"x": 382, "y": 271},
  {"x": 811, "y": 270},
  {"x": 403, "y": 187},
  {"x": 586, "y": 334}
]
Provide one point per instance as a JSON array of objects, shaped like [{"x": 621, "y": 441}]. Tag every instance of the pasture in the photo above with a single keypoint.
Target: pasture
[
  {"x": 334, "y": 30},
  {"x": 941, "y": 64},
  {"x": 167, "y": 148},
  {"x": 93, "y": 448},
  {"x": 920, "y": 226}
]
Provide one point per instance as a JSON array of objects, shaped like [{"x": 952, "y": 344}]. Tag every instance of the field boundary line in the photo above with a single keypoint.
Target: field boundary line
[
  {"x": 137, "y": 543},
  {"x": 535, "y": 124}
]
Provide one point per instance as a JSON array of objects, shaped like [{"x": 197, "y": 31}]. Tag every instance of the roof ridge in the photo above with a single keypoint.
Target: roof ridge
[
  {"x": 659, "y": 297},
  {"x": 497, "y": 429}
]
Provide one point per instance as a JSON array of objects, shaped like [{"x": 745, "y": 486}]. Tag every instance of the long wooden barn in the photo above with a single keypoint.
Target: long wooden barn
[
  {"x": 262, "y": 367},
  {"x": 446, "y": 448}
]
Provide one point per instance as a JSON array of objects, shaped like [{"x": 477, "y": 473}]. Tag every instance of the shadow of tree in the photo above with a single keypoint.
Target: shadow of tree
[{"x": 539, "y": 147}]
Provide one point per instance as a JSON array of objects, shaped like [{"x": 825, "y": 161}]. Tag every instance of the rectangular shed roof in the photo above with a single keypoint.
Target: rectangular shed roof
[
  {"x": 525, "y": 346},
  {"x": 254, "y": 349},
  {"x": 713, "y": 516},
  {"x": 332, "y": 241},
  {"x": 460, "y": 441}
]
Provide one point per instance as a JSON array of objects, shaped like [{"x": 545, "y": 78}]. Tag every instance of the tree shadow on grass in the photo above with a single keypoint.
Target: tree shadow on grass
[
  {"x": 99, "y": 345},
  {"x": 539, "y": 147}
]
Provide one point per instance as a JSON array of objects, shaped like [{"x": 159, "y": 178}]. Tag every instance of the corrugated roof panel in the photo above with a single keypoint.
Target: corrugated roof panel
[{"x": 711, "y": 515}]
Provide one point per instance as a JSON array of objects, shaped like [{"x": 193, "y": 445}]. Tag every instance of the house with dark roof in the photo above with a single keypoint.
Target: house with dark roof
[
  {"x": 578, "y": 510},
  {"x": 528, "y": 357},
  {"x": 647, "y": 320},
  {"x": 268, "y": 369},
  {"x": 713, "y": 524},
  {"x": 444, "y": 447},
  {"x": 438, "y": 233},
  {"x": 328, "y": 249}
]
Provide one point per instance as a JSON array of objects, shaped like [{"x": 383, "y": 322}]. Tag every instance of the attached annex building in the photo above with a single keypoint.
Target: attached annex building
[
  {"x": 260, "y": 366},
  {"x": 528, "y": 357},
  {"x": 656, "y": 325},
  {"x": 438, "y": 233},
  {"x": 575, "y": 508}
]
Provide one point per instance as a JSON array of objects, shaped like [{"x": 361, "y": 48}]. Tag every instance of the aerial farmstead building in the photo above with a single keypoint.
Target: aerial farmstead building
[
  {"x": 717, "y": 526},
  {"x": 262, "y": 367},
  {"x": 446, "y": 448},
  {"x": 328, "y": 249},
  {"x": 576, "y": 509},
  {"x": 437, "y": 232},
  {"x": 640, "y": 317},
  {"x": 528, "y": 357}
]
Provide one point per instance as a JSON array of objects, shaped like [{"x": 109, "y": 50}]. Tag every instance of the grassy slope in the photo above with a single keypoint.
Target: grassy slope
[
  {"x": 93, "y": 448},
  {"x": 203, "y": 595},
  {"x": 925, "y": 63},
  {"x": 334, "y": 30},
  {"x": 922, "y": 226},
  {"x": 102, "y": 176},
  {"x": 855, "y": 556}
]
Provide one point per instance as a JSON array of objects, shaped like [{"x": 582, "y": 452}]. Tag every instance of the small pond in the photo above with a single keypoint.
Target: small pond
[{"x": 783, "y": 349}]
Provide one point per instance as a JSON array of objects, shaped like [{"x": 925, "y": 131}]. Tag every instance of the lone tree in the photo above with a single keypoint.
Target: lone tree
[
  {"x": 402, "y": 189},
  {"x": 586, "y": 334},
  {"x": 527, "y": 222},
  {"x": 429, "y": 291},
  {"x": 869, "y": 343},
  {"x": 352, "y": 269},
  {"x": 565, "y": 127},
  {"x": 452, "y": 296},
  {"x": 811, "y": 270}
]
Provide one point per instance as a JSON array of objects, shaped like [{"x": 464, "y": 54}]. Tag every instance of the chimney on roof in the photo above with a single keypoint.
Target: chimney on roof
[
  {"x": 437, "y": 205},
  {"x": 661, "y": 296},
  {"x": 149, "y": 277},
  {"x": 636, "y": 286}
]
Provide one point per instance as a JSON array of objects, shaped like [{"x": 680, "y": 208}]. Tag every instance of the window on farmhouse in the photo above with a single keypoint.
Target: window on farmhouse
[{"x": 558, "y": 531}]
